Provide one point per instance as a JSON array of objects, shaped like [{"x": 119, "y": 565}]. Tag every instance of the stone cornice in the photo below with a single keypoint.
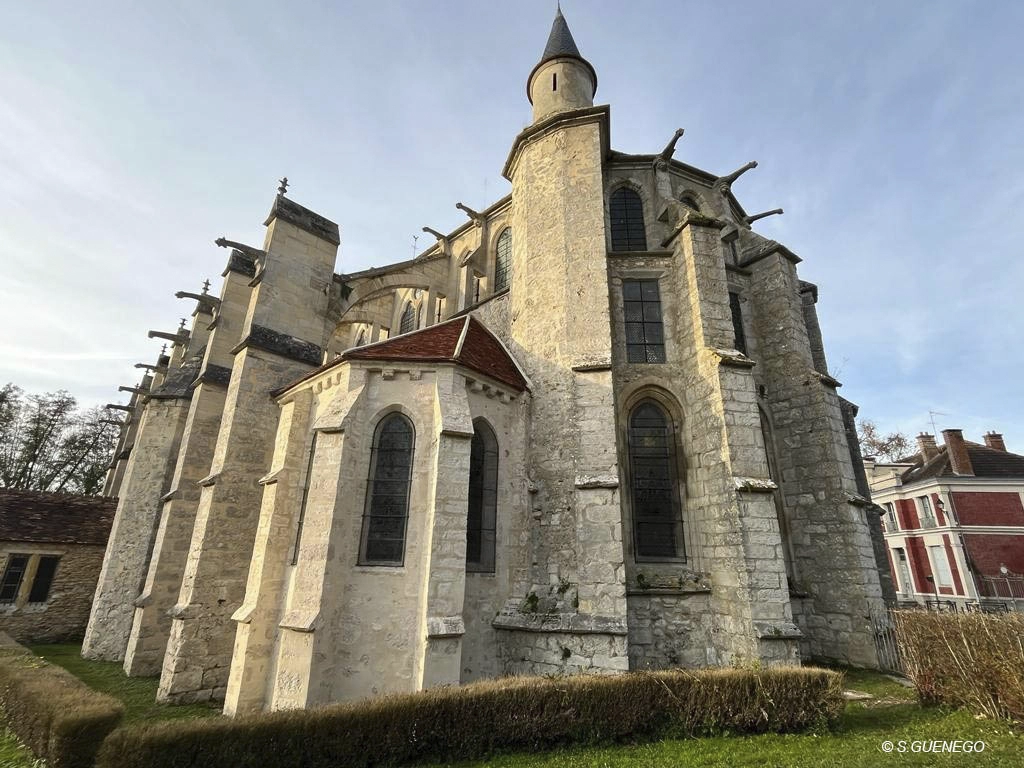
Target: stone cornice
[
  {"x": 600, "y": 114},
  {"x": 754, "y": 255},
  {"x": 303, "y": 218},
  {"x": 569, "y": 623},
  {"x": 281, "y": 344}
]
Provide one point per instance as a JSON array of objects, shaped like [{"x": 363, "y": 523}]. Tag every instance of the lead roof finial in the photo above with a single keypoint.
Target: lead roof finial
[
  {"x": 284, "y": 185},
  {"x": 206, "y": 286}
]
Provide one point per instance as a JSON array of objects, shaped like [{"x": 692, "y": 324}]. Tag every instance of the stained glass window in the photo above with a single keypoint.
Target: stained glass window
[
  {"x": 387, "y": 499},
  {"x": 645, "y": 334},
  {"x": 483, "y": 499},
  {"x": 503, "y": 260},
  {"x": 410, "y": 319},
  {"x": 657, "y": 518},
  {"x": 627, "y": 216}
]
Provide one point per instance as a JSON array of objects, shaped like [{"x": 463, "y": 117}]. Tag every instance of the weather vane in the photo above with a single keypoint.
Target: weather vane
[{"x": 284, "y": 186}]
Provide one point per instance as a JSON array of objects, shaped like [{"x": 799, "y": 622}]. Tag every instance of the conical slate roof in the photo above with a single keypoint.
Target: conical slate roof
[
  {"x": 561, "y": 45},
  {"x": 560, "y": 42}
]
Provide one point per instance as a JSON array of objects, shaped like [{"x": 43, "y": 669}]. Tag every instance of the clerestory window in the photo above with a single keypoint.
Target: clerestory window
[
  {"x": 503, "y": 260},
  {"x": 627, "y": 219},
  {"x": 410, "y": 319}
]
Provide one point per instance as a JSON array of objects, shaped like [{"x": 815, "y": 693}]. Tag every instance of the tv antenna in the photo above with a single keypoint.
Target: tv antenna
[{"x": 931, "y": 417}]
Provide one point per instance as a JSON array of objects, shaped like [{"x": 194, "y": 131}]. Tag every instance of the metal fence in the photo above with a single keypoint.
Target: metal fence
[
  {"x": 1002, "y": 586},
  {"x": 889, "y": 659}
]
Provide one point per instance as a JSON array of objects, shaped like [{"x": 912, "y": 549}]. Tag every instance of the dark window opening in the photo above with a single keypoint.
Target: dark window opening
[
  {"x": 476, "y": 290},
  {"x": 554, "y": 81},
  {"x": 387, "y": 499},
  {"x": 410, "y": 319},
  {"x": 627, "y": 218},
  {"x": 503, "y": 260},
  {"x": 481, "y": 524},
  {"x": 690, "y": 203},
  {"x": 45, "y": 571},
  {"x": 305, "y": 498},
  {"x": 13, "y": 574},
  {"x": 740, "y": 338},
  {"x": 440, "y": 309},
  {"x": 657, "y": 517},
  {"x": 645, "y": 334}
]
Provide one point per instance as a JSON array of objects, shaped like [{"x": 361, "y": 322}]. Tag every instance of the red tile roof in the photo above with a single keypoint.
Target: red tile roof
[
  {"x": 60, "y": 518},
  {"x": 480, "y": 350},
  {"x": 461, "y": 340},
  {"x": 986, "y": 462}
]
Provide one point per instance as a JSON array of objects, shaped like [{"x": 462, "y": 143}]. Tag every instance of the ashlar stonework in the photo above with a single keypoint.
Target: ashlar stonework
[{"x": 591, "y": 429}]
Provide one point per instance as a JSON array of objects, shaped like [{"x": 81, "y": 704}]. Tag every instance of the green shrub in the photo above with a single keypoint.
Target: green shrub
[
  {"x": 971, "y": 660},
  {"x": 474, "y": 720},
  {"x": 57, "y": 716}
]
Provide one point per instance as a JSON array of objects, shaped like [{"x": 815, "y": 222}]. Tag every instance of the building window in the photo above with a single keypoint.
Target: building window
[
  {"x": 362, "y": 338},
  {"x": 503, "y": 260},
  {"x": 305, "y": 498},
  {"x": 440, "y": 309},
  {"x": 627, "y": 215},
  {"x": 739, "y": 337},
  {"x": 387, "y": 493},
  {"x": 927, "y": 518},
  {"x": 690, "y": 203},
  {"x": 45, "y": 571},
  {"x": 483, "y": 499},
  {"x": 940, "y": 565},
  {"x": 14, "y": 572},
  {"x": 410, "y": 319},
  {"x": 891, "y": 524},
  {"x": 645, "y": 335},
  {"x": 657, "y": 517}
]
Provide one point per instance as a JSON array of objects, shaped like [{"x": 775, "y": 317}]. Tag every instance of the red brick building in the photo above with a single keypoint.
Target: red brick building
[{"x": 954, "y": 519}]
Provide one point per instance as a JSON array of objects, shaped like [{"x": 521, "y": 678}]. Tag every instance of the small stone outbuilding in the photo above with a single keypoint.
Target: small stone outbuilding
[{"x": 51, "y": 551}]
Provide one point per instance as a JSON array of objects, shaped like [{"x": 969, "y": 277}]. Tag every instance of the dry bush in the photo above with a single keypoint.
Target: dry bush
[
  {"x": 55, "y": 714},
  {"x": 475, "y": 720},
  {"x": 971, "y": 660}
]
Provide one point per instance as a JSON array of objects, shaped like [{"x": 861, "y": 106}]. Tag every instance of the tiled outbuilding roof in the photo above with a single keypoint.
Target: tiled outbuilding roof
[
  {"x": 986, "y": 462},
  {"x": 59, "y": 518}
]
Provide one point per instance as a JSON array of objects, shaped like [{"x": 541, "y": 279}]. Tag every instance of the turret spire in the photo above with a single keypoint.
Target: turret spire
[{"x": 563, "y": 61}]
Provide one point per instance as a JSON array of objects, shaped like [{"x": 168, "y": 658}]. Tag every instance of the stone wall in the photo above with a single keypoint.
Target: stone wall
[
  {"x": 65, "y": 613},
  {"x": 670, "y": 630}
]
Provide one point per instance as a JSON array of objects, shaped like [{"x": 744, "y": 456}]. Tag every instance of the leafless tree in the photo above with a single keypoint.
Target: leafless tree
[
  {"x": 891, "y": 447},
  {"x": 48, "y": 444}
]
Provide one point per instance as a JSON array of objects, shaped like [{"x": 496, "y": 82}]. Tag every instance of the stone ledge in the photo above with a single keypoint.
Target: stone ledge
[
  {"x": 571, "y": 623},
  {"x": 668, "y": 591},
  {"x": 445, "y": 626},
  {"x": 754, "y": 484},
  {"x": 733, "y": 358},
  {"x": 777, "y": 630},
  {"x": 300, "y": 621},
  {"x": 213, "y": 374},
  {"x": 598, "y": 367},
  {"x": 281, "y": 344},
  {"x": 588, "y": 482},
  {"x": 827, "y": 380}
]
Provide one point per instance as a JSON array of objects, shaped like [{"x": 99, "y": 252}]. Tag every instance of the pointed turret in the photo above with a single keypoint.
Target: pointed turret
[{"x": 562, "y": 80}]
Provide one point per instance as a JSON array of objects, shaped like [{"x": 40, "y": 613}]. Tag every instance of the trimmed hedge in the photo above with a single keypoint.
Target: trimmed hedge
[
  {"x": 971, "y": 660},
  {"x": 475, "y": 720},
  {"x": 56, "y": 715}
]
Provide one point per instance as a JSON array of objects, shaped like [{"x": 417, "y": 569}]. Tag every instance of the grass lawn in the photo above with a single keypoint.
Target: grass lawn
[
  {"x": 138, "y": 694},
  {"x": 12, "y": 754}
]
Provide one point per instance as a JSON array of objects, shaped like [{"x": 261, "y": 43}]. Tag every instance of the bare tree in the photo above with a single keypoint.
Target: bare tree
[
  {"x": 48, "y": 444},
  {"x": 891, "y": 447}
]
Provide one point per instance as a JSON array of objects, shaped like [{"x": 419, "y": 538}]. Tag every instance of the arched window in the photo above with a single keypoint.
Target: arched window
[
  {"x": 410, "y": 319},
  {"x": 657, "y": 516},
  {"x": 690, "y": 202},
  {"x": 627, "y": 214},
  {"x": 503, "y": 260},
  {"x": 483, "y": 499},
  {"x": 387, "y": 493},
  {"x": 362, "y": 338}
]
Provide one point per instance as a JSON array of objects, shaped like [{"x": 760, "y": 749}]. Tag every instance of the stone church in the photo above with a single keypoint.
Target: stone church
[{"x": 590, "y": 429}]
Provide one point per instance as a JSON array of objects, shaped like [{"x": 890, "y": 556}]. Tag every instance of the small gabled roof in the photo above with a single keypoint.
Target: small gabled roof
[
  {"x": 55, "y": 518},
  {"x": 462, "y": 340}
]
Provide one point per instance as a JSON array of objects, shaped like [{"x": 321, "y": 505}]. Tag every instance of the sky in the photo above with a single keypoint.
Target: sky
[{"x": 132, "y": 135}]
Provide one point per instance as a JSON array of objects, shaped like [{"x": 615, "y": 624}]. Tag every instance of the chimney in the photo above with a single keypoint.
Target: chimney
[
  {"x": 959, "y": 459},
  {"x": 995, "y": 440},
  {"x": 926, "y": 445}
]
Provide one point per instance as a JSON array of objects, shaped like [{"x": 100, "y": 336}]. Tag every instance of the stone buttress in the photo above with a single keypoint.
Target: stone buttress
[
  {"x": 283, "y": 335},
  {"x": 151, "y": 626}
]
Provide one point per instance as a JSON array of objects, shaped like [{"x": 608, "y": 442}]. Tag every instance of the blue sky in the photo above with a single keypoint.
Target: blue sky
[{"x": 134, "y": 134}]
